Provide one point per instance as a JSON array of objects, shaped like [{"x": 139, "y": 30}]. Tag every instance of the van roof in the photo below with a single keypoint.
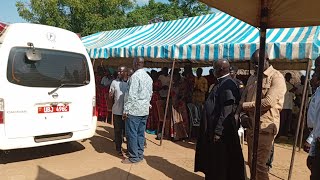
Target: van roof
[{"x": 20, "y": 34}]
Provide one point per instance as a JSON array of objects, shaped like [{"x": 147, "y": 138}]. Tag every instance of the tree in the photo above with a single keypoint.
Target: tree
[
  {"x": 81, "y": 16},
  {"x": 173, "y": 10},
  {"x": 191, "y": 8},
  {"x": 153, "y": 12},
  {"x": 91, "y": 16}
]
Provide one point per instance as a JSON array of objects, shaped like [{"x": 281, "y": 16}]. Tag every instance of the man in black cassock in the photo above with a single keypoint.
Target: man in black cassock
[{"x": 218, "y": 153}]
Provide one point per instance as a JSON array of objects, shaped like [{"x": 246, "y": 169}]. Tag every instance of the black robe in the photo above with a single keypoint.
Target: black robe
[{"x": 222, "y": 160}]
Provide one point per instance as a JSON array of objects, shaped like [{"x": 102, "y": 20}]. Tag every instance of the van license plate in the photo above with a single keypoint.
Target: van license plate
[{"x": 53, "y": 109}]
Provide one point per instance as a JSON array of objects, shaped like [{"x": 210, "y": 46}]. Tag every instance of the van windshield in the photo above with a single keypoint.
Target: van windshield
[{"x": 54, "y": 68}]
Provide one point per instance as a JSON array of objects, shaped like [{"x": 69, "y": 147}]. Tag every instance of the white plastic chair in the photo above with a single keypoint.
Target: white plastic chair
[{"x": 241, "y": 135}]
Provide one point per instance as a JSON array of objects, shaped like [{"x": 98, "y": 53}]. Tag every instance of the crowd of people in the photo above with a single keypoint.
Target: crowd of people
[{"x": 225, "y": 103}]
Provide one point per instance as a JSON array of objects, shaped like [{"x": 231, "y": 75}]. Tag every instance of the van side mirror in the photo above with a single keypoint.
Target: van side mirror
[{"x": 32, "y": 54}]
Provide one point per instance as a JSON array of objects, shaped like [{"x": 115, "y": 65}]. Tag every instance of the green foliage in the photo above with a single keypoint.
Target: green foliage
[
  {"x": 191, "y": 8},
  {"x": 91, "y": 16}
]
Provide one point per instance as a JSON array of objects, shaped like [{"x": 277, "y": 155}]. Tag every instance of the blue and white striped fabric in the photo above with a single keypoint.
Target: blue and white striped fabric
[{"x": 208, "y": 37}]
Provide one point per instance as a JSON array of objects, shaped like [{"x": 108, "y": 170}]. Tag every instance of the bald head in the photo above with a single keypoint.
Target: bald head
[
  {"x": 138, "y": 63},
  {"x": 123, "y": 72},
  {"x": 255, "y": 60},
  {"x": 130, "y": 71},
  {"x": 123, "y": 68},
  {"x": 256, "y": 55},
  {"x": 221, "y": 67}
]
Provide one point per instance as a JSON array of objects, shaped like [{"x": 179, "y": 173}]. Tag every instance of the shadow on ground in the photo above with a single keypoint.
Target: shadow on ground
[
  {"x": 17, "y": 155},
  {"x": 191, "y": 144},
  {"x": 103, "y": 142},
  {"x": 285, "y": 141},
  {"x": 170, "y": 170},
  {"x": 113, "y": 173}
]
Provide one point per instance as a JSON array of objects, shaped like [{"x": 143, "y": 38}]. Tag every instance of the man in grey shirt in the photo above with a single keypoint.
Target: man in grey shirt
[{"x": 117, "y": 92}]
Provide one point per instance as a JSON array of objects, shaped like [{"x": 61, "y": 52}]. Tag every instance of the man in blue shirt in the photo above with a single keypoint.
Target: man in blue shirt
[{"x": 136, "y": 111}]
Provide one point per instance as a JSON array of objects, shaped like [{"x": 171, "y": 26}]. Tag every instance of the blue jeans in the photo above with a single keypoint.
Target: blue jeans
[{"x": 135, "y": 128}]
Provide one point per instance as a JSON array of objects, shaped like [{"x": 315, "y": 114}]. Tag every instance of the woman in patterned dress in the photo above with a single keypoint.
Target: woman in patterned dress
[
  {"x": 179, "y": 116},
  {"x": 153, "y": 118},
  {"x": 100, "y": 96}
]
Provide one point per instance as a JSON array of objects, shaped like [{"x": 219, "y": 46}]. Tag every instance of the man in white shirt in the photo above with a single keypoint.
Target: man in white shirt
[{"x": 117, "y": 91}]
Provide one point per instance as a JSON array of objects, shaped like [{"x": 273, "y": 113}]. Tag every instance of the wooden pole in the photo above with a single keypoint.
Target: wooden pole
[
  {"x": 249, "y": 63},
  {"x": 304, "y": 114},
  {"x": 299, "y": 121},
  {"x": 167, "y": 103},
  {"x": 257, "y": 113}
]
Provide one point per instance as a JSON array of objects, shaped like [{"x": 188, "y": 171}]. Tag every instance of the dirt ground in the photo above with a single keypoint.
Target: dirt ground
[{"x": 95, "y": 159}]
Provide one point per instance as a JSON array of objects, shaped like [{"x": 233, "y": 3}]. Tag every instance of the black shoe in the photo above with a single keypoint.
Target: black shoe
[{"x": 120, "y": 153}]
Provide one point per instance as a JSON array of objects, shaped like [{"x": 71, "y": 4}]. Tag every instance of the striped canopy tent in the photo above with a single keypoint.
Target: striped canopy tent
[{"x": 199, "y": 40}]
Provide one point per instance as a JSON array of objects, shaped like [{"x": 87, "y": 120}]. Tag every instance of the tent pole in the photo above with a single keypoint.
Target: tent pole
[
  {"x": 303, "y": 118},
  {"x": 307, "y": 83},
  {"x": 167, "y": 102},
  {"x": 300, "y": 117},
  {"x": 257, "y": 113},
  {"x": 249, "y": 65}
]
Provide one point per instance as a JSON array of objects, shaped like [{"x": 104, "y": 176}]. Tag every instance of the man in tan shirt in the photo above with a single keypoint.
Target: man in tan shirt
[{"x": 273, "y": 90}]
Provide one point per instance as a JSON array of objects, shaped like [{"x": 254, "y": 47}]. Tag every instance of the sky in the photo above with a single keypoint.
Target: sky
[{"x": 9, "y": 14}]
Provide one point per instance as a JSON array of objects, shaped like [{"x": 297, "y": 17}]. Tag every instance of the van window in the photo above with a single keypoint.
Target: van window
[{"x": 54, "y": 69}]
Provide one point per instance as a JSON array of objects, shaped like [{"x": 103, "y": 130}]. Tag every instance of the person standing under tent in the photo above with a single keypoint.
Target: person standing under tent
[
  {"x": 117, "y": 90},
  {"x": 178, "y": 127},
  {"x": 314, "y": 82},
  {"x": 299, "y": 90},
  {"x": 210, "y": 78},
  {"x": 218, "y": 152},
  {"x": 188, "y": 81},
  {"x": 233, "y": 74},
  {"x": 200, "y": 88},
  {"x": 106, "y": 80},
  {"x": 130, "y": 72},
  {"x": 313, "y": 120},
  {"x": 153, "y": 118},
  {"x": 102, "y": 94},
  {"x": 286, "y": 113},
  {"x": 273, "y": 91},
  {"x": 136, "y": 111},
  {"x": 165, "y": 81}
]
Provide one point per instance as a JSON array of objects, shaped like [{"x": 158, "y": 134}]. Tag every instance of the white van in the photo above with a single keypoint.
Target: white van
[{"x": 47, "y": 87}]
